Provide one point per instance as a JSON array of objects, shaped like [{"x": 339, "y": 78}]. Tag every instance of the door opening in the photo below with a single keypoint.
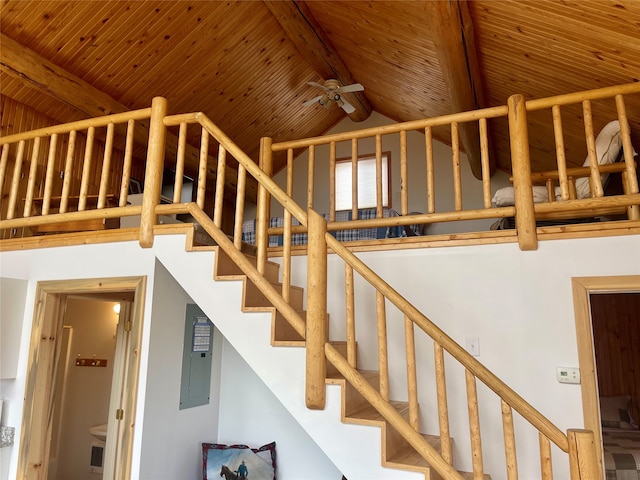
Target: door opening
[
  {"x": 583, "y": 288},
  {"x": 54, "y": 357}
]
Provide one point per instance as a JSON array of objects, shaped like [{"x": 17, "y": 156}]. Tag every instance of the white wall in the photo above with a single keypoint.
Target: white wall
[
  {"x": 172, "y": 438},
  {"x": 254, "y": 416},
  {"x": 519, "y": 305},
  {"x": 443, "y": 170}
]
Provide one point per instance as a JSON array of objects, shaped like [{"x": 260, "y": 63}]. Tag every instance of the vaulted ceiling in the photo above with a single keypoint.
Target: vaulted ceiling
[{"x": 246, "y": 64}]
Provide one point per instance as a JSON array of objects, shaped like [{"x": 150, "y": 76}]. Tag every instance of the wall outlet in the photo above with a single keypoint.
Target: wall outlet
[{"x": 568, "y": 375}]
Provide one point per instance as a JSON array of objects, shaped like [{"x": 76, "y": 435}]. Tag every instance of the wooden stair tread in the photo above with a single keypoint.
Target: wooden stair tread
[
  {"x": 371, "y": 414},
  {"x": 410, "y": 457}
]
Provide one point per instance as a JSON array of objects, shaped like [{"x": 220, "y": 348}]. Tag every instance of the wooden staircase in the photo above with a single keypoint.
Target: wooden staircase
[{"x": 396, "y": 452}]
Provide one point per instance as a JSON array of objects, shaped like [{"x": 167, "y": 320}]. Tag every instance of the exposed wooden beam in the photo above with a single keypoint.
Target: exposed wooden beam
[
  {"x": 452, "y": 35},
  {"x": 311, "y": 41},
  {"x": 43, "y": 75}
]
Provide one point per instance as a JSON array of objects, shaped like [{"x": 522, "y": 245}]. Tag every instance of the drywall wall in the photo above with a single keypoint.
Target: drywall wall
[
  {"x": 443, "y": 170},
  {"x": 12, "y": 295},
  {"x": 254, "y": 416},
  {"x": 171, "y": 438}
]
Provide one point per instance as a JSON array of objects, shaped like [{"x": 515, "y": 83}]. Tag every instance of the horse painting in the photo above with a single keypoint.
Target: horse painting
[{"x": 228, "y": 474}]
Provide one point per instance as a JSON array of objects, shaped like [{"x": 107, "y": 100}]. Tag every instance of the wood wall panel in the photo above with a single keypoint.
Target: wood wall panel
[{"x": 616, "y": 333}]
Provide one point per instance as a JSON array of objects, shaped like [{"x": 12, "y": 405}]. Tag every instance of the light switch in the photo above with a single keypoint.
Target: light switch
[
  {"x": 473, "y": 346},
  {"x": 568, "y": 375}
]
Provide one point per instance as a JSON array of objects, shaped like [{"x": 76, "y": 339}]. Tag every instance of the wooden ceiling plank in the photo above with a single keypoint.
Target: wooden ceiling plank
[
  {"x": 452, "y": 34},
  {"x": 39, "y": 73},
  {"x": 307, "y": 35}
]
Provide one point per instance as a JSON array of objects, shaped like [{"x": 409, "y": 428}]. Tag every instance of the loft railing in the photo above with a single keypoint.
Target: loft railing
[{"x": 83, "y": 186}]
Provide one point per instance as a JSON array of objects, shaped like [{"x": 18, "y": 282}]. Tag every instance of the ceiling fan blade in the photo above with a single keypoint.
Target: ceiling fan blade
[
  {"x": 312, "y": 101},
  {"x": 356, "y": 87},
  {"x": 347, "y": 107},
  {"x": 314, "y": 84}
]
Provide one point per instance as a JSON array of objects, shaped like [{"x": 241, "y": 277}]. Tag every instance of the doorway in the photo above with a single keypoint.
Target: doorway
[
  {"x": 583, "y": 288},
  {"x": 51, "y": 345}
]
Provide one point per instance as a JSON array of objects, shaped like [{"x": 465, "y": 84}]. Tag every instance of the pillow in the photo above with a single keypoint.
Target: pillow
[
  {"x": 225, "y": 460},
  {"x": 608, "y": 144},
  {"x": 504, "y": 196},
  {"x": 614, "y": 412}
]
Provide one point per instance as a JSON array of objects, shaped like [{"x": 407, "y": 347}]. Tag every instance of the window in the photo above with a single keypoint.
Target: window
[{"x": 366, "y": 182}]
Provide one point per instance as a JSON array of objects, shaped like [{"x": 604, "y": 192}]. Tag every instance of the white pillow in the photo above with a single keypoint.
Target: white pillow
[
  {"x": 608, "y": 144},
  {"x": 504, "y": 196}
]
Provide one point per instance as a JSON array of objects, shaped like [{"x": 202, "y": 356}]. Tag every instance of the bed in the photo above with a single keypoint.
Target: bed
[
  {"x": 620, "y": 439},
  {"x": 348, "y": 235}
]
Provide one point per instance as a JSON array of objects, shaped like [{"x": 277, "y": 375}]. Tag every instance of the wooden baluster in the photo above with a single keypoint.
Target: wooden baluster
[
  {"x": 218, "y": 203},
  {"x": 631, "y": 183},
  {"x": 106, "y": 168},
  {"x": 509, "y": 441},
  {"x": 354, "y": 179},
  {"x": 378, "y": 176},
  {"x": 431, "y": 191},
  {"x": 15, "y": 181},
  {"x": 311, "y": 167},
  {"x": 316, "y": 327},
  {"x": 31, "y": 182},
  {"x": 383, "y": 356},
  {"x": 287, "y": 237},
  {"x": 551, "y": 190},
  {"x": 239, "y": 214},
  {"x": 126, "y": 165},
  {"x": 332, "y": 181},
  {"x": 202, "y": 168},
  {"x": 264, "y": 204},
  {"x": 446, "y": 446},
  {"x": 48, "y": 183},
  {"x": 68, "y": 172},
  {"x": 412, "y": 381},
  {"x": 86, "y": 169},
  {"x": 485, "y": 163},
  {"x": 572, "y": 188},
  {"x": 583, "y": 461},
  {"x": 545, "y": 458},
  {"x": 153, "y": 171},
  {"x": 474, "y": 427},
  {"x": 596, "y": 181},
  {"x": 182, "y": 147},
  {"x": 521, "y": 166},
  {"x": 404, "y": 174},
  {"x": 560, "y": 152},
  {"x": 455, "y": 160},
  {"x": 350, "y": 312},
  {"x": 4, "y": 160}
]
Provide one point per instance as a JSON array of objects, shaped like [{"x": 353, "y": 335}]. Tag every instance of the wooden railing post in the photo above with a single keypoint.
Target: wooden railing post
[
  {"x": 153, "y": 171},
  {"x": 316, "y": 332},
  {"x": 521, "y": 166},
  {"x": 264, "y": 204},
  {"x": 583, "y": 461}
]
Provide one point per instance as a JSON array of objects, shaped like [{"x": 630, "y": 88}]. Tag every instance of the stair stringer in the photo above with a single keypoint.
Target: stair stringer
[{"x": 354, "y": 449}]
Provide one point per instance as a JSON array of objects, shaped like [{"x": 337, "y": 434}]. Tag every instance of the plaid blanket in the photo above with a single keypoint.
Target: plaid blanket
[
  {"x": 621, "y": 454},
  {"x": 350, "y": 235}
]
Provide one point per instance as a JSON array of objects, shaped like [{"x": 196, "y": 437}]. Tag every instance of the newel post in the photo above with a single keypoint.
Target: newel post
[
  {"x": 153, "y": 171},
  {"x": 264, "y": 204},
  {"x": 521, "y": 169},
  {"x": 316, "y": 332},
  {"x": 583, "y": 461}
]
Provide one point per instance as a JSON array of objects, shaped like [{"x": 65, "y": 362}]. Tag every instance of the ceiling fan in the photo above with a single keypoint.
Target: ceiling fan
[{"x": 333, "y": 93}]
